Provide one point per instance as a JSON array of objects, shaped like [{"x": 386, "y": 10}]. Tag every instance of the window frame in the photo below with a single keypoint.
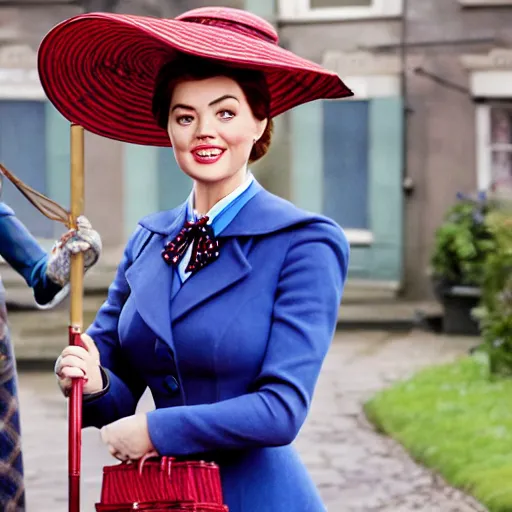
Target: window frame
[
  {"x": 369, "y": 78},
  {"x": 485, "y": 145},
  {"x": 484, "y": 3},
  {"x": 301, "y": 11}
]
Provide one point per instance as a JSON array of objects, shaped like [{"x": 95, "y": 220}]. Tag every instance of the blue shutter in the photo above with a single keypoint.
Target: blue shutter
[
  {"x": 345, "y": 173},
  {"x": 23, "y": 150}
]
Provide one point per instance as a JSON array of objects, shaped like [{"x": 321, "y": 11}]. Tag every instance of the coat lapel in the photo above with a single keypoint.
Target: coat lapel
[
  {"x": 230, "y": 268},
  {"x": 150, "y": 279}
]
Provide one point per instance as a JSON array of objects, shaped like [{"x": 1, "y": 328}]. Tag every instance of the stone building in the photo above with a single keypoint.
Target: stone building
[{"x": 430, "y": 117}]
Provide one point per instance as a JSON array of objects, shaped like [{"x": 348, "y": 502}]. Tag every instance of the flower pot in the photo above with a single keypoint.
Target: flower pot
[{"x": 458, "y": 302}]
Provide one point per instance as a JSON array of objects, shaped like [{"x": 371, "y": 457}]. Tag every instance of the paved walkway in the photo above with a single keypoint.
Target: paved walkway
[{"x": 355, "y": 468}]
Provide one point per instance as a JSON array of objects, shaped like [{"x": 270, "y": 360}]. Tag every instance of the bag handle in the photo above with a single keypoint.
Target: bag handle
[{"x": 165, "y": 462}]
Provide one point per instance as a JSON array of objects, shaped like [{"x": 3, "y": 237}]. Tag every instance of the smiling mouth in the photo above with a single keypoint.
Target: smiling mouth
[{"x": 207, "y": 155}]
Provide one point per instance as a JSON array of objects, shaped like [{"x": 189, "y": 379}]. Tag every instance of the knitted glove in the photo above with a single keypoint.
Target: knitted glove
[{"x": 84, "y": 239}]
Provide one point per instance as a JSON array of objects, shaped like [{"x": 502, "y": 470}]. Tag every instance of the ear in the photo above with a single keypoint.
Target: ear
[{"x": 260, "y": 128}]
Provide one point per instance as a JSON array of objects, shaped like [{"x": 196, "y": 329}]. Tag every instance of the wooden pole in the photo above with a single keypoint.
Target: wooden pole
[{"x": 76, "y": 318}]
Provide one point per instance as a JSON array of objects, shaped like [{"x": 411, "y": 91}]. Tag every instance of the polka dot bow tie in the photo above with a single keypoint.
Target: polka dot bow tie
[{"x": 205, "y": 248}]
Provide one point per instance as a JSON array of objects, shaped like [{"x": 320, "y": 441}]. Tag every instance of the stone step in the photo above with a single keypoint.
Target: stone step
[
  {"x": 98, "y": 279},
  {"x": 392, "y": 315},
  {"x": 40, "y": 335}
]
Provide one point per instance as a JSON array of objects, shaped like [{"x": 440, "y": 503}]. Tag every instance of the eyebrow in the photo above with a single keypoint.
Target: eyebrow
[{"x": 214, "y": 102}]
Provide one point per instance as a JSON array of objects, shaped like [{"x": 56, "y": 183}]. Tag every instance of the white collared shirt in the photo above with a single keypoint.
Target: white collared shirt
[{"x": 214, "y": 212}]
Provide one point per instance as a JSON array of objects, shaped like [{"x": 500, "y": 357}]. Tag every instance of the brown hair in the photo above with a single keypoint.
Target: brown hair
[{"x": 186, "y": 67}]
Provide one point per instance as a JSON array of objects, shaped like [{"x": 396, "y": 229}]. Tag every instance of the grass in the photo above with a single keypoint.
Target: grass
[{"x": 457, "y": 421}]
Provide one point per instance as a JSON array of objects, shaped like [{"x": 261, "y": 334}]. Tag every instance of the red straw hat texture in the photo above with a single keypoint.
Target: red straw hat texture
[{"x": 99, "y": 69}]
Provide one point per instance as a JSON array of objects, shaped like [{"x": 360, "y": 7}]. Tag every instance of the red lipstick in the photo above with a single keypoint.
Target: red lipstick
[{"x": 207, "y": 154}]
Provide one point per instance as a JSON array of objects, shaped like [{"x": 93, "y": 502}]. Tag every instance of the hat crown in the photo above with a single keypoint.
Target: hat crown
[{"x": 233, "y": 19}]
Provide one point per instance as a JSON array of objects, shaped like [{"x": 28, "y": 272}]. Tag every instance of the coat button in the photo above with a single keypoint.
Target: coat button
[{"x": 171, "y": 384}]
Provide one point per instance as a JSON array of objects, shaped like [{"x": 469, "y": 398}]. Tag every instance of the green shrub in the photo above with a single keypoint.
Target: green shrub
[
  {"x": 495, "y": 311},
  {"x": 462, "y": 243}
]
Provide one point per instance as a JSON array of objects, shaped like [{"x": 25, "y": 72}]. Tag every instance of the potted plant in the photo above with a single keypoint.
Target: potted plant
[{"x": 461, "y": 246}]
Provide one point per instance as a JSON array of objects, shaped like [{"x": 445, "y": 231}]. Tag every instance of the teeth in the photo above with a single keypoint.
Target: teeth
[{"x": 209, "y": 152}]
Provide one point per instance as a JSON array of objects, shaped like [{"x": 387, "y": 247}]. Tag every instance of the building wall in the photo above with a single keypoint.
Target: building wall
[
  {"x": 125, "y": 182},
  {"x": 441, "y": 143},
  {"x": 337, "y": 167},
  {"x": 441, "y": 126}
]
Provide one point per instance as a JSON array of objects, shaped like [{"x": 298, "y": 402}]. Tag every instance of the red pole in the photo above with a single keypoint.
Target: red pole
[
  {"x": 75, "y": 433},
  {"x": 76, "y": 320}
]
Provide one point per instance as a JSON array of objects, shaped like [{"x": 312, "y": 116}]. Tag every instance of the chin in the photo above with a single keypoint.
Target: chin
[
  {"x": 208, "y": 173},
  {"x": 209, "y": 177}
]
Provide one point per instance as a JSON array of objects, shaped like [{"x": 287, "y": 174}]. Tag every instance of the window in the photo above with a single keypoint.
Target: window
[
  {"x": 23, "y": 150},
  {"x": 321, "y": 10},
  {"x": 346, "y": 151},
  {"x": 494, "y": 134},
  {"x": 316, "y": 4},
  {"x": 501, "y": 145}
]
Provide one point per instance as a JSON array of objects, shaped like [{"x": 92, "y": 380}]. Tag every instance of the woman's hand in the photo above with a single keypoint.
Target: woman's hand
[
  {"x": 80, "y": 362},
  {"x": 84, "y": 239},
  {"x": 128, "y": 438}
]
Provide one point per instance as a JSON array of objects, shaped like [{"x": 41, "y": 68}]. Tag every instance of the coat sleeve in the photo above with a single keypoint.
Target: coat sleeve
[
  {"x": 305, "y": 315},
  {"x": 123, "y": 386},
  {"x": 24, "y": 254}
]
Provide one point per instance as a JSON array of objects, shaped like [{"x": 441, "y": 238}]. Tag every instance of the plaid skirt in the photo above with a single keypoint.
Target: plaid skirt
[{"x": 12, "y": 490}]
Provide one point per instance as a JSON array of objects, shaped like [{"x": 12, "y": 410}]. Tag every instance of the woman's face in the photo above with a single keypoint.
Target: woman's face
[{"x": 212, "y": 128}]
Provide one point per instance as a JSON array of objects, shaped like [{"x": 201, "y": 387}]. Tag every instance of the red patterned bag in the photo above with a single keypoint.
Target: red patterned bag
[
  {"x": 162, "y": 507},
  {"x": 161, "y": 484}
]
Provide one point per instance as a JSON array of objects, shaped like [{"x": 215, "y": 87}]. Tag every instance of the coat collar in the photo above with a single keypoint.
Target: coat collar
[{"x": 263, "y": 214}]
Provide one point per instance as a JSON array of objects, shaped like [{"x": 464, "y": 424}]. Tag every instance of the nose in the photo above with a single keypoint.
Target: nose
[{"x": 204, "y": 129}]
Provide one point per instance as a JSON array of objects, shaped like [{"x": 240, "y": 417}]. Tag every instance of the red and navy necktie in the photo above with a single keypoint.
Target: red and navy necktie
[{"x": 205, "y": 247}]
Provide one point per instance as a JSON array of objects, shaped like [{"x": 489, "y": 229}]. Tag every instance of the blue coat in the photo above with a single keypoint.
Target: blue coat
[
  {"x": 233, "y": 359},
  {"x": 24, "y": 254}
]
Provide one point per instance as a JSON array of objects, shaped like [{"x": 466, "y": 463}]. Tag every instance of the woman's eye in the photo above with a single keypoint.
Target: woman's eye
[
  {"x": 226, "y": 114},
  {"x": 184, "y": 119}
]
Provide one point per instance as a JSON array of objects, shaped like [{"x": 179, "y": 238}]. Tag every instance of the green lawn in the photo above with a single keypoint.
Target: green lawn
[{"x": 454, "y": 419}]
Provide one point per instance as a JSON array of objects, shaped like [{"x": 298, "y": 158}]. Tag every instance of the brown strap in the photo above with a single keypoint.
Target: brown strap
[{"x": 46, "y": 206}]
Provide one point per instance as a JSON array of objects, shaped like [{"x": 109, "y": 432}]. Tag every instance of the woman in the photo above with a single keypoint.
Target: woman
[
  {"x": 47, "y": 275},
  {"x": 225, "y": 306}
]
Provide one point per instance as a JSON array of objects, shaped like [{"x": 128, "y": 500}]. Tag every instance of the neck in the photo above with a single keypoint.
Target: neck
[{"x": 207, "y": 194}]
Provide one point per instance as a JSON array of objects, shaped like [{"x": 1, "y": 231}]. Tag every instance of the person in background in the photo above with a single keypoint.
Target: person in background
[{"x": 48, "y": 275}]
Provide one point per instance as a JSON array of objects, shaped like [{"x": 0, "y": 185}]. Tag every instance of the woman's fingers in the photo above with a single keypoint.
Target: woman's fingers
[
  {"x": 80, "y": 362},
  {"x": 71, "y": 373},
  {"x": 72, "y": 361},
  {"x": 75, "y": 350},
  {"x": 90, "y": 346},
  {"x": 119, "y": 456}
]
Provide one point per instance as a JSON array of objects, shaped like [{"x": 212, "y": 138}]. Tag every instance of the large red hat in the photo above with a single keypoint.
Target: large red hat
[{"x": 99, "y": 69}]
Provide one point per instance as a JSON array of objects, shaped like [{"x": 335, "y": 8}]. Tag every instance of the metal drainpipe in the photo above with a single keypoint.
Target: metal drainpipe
[{"x": 405, "y": 114}]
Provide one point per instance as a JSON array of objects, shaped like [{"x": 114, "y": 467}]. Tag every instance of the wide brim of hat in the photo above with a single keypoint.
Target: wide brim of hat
[{"x": 99, "y": 70}]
